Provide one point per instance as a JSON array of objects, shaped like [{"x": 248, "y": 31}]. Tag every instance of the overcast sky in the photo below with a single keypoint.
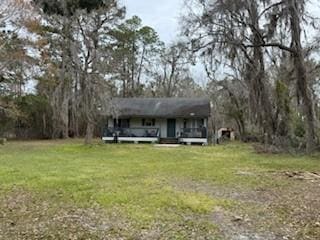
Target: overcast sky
[{"x": 162, "y": 15}]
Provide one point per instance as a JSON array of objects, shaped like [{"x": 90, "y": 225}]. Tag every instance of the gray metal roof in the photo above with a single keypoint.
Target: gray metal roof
[{"x": 161, "y": 107}]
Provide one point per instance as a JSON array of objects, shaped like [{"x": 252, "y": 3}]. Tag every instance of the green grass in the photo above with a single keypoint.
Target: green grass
[{"x": 140, "y": 181}]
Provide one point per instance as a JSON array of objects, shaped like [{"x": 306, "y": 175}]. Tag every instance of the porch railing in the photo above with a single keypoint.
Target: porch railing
[
  {"x": 193, "y": 133},
  {"x": 132, "y": 132}
]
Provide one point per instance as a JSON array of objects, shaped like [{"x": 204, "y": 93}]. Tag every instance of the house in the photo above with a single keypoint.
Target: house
[{"x": 164, "y": 120}]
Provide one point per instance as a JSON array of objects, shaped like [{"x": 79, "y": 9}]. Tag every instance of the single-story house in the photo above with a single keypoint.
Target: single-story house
[{"x": 164, "y": 120}]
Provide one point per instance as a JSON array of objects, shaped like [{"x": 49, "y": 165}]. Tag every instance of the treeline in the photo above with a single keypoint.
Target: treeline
[
  {"x": 271, "y": 83},
  {"x": 260, "y": 58},
  {"x": 80, "y": 54}
]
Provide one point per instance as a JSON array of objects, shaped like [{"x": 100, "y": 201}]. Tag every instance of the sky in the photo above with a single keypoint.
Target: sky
[{"x": 162, "y": 15}]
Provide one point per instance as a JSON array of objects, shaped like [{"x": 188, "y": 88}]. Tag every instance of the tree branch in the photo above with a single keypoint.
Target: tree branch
[
  {"x": 278, "y": 45},
  {"x": 269, "y": 7}
]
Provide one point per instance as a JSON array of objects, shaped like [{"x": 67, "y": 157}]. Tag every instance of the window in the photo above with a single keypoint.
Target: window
[{"x": 148, "y": 122}]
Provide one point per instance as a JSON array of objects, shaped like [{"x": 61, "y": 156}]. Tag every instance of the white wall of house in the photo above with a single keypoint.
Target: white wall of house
[
  {"x": 162, "y": 123},
  {"x": 159, "y": 123}
]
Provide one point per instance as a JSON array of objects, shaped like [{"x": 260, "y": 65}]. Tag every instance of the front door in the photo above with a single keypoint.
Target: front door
[{"x": 171, "y": 128}]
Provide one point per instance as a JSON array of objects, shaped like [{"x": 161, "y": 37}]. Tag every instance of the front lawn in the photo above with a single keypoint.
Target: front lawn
[{"x": 65, "y": 190}]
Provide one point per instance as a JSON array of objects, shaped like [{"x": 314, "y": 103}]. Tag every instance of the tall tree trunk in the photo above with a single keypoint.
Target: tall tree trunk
[
  {"x": 140, "y": 68},
  {"x": 74, "y": 102},
  {"x": 89, "y": 133},
  {"x": 133, "y": 62},
  {"x": 90, "y": 90},
  {"x": 65, "y": 79},
  {"x": 44, "y": 126},
  {"x": 65, "y": 115},
  {"x": 261, "y": 102},
  {"x": 125, "y": 81},
  {"x": 301, "y": 74}
]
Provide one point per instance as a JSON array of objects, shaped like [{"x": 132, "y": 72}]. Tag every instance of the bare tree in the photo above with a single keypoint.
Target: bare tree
[{"x": 170, "y": 70}]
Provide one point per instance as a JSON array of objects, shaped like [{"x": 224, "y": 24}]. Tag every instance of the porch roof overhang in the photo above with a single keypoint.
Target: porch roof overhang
[{"x": 160, "y": 108}]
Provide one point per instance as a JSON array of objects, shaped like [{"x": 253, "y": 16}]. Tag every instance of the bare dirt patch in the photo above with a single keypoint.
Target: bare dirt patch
[
  {"x": 311, "y": 176},
  {"x": 26, "y": 216},
  {"x": 290, "y": 211}
]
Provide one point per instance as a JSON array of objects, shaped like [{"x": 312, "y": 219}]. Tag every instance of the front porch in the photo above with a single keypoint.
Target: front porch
[
  {"x": 153, "y": 135},
  {"x": 135, "y": 135},
  {"x": 194, "y": 136}
]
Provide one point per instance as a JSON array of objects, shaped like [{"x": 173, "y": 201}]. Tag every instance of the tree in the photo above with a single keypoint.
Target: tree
[
  {"x": 78, "y": 40},
  {"x": 95, "y": 48},
  {"x": 55, "y": 28},
  {"x": 170, "y": 70},
  {"x": 136, "y": 47},
  {"x": 248, "y": 31},
  {"x": 296, "y": 10},
  {"x": 14, "y": 59}
]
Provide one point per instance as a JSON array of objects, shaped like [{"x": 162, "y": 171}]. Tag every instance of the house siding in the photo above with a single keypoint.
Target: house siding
[
  {"x": 163, "y": 127},
  {"x": 137, "y": 123},
  {"x": 161, "y": 123}
]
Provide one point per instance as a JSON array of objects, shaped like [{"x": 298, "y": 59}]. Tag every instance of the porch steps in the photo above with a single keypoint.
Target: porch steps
[{"x": 169, "y": 141}]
